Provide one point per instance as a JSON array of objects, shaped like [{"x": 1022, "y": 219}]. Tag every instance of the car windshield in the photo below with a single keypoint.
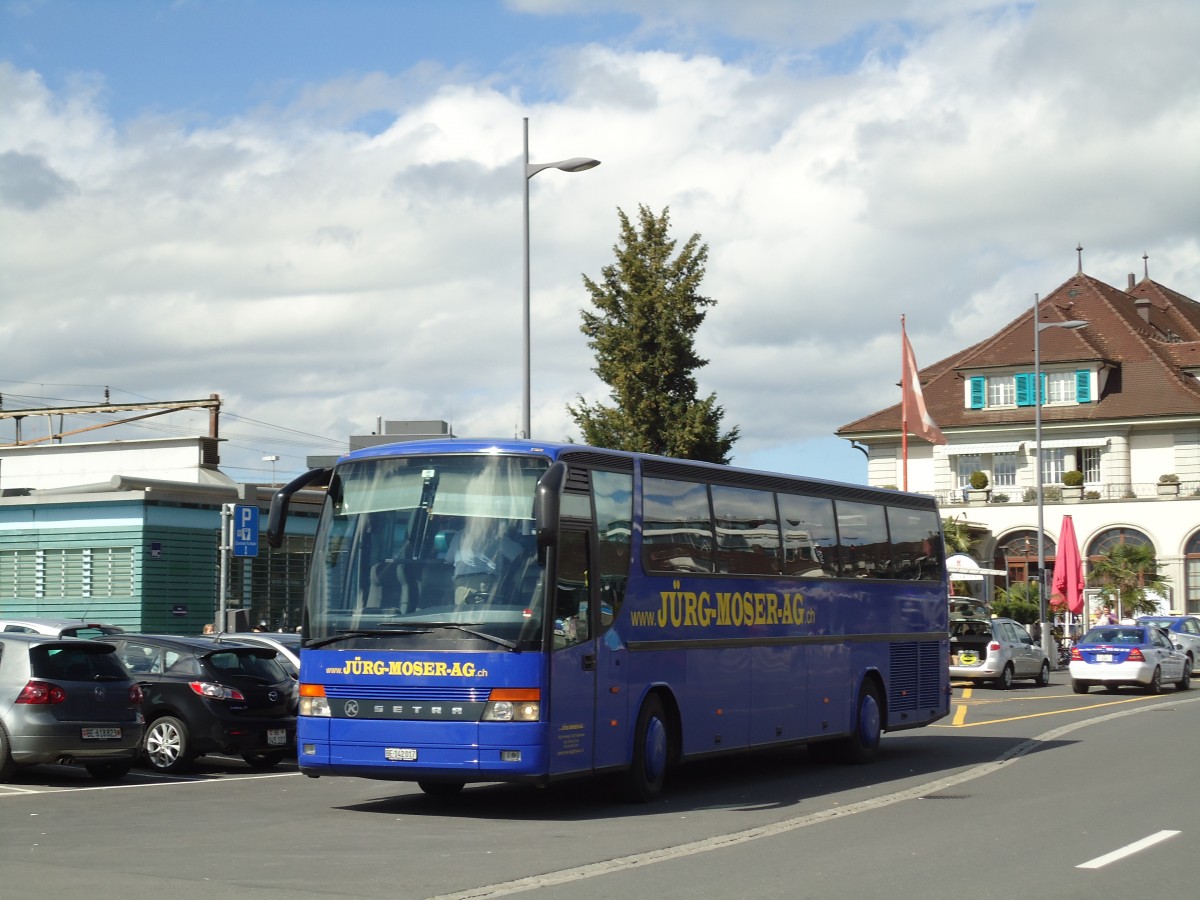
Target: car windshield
[
  {"x": 248, "y": 664},
  {"x": 81, "y": 662},
  {"x": 1115, "y": 635}
]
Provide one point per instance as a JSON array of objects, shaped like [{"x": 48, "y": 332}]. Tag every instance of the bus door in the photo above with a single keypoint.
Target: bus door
[{"x": 573, "y": 655}]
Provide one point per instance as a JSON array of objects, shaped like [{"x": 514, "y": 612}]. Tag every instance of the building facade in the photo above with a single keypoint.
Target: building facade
[{"x": 1120, "y": 414}]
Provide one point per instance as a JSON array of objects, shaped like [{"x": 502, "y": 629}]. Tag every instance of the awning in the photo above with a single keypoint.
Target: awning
[
  {"x": 962, "y": 568},
  {"x": 972, "y": 449},
  {"x": 1057, "y": 443}
]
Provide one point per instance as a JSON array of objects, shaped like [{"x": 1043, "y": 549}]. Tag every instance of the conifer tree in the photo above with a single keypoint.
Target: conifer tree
[{"x": 648, "y": 309}]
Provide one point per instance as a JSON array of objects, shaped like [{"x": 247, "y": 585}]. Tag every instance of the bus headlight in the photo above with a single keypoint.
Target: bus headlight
[
  {"x": 513, "y": 705},
  {"x": 314, "y": 706},
  {"x": 313, "y": 701}
]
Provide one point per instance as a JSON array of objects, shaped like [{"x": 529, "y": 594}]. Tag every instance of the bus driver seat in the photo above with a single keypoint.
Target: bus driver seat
[{"x": 388, "y": 592}]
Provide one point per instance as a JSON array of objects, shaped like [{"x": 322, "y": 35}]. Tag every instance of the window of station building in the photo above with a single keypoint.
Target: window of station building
[
  {"x": 747, "y": 531},
  {"x": 1060, "y": 387},
  {"x": 863, "y": 544},
  {"x": 1001, "y": 391},
  {"x": 809, "y": 535},
  {"x": 967, "y": 464},
  {"x": 677, "y": 534},
  {"x": 916, "y": 544}
]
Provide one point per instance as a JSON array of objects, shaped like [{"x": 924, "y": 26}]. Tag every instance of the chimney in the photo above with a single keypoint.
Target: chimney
[{"x": 1132, "y": 282}]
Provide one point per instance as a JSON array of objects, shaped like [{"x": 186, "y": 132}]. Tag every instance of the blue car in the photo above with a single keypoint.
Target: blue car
[
  {"x": 1184, "y": 632},
  {"x": 1139, "y": 655}
]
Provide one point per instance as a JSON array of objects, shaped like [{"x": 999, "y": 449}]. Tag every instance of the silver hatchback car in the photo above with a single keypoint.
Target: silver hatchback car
[
  {"x": 64, "y": 700},
  {"x": 996, "y": 650}
]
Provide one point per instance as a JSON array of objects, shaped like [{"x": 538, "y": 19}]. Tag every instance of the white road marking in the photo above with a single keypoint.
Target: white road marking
[
  {"x": 719, "y": 842},
  {"x": 1127, "y": 850}
]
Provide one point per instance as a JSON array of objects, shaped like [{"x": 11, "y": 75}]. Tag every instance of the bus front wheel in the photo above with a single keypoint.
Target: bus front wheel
[
  {"x": 648, "y": 770},
  {"x": 441, "y": 788}
]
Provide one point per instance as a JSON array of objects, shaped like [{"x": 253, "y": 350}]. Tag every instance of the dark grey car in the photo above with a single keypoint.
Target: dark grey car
[{"x": 64, "y": 700}]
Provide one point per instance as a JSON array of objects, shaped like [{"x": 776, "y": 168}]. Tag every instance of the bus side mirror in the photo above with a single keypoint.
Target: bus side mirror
[
  {"x": 547, "y": 503},
  {"x": 277, "y": 518}
]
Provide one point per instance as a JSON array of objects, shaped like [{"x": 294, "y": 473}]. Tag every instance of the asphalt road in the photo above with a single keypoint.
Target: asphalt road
[{"x": 1030, "y": 792}]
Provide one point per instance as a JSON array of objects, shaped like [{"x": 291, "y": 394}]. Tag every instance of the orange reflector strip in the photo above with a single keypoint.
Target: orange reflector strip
[
  {"x": 312, "y": 690},
  {"x": 518, "y": 694}
]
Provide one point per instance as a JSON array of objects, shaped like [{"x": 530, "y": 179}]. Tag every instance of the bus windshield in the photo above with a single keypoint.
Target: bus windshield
[{"x": 433, "y": 552}]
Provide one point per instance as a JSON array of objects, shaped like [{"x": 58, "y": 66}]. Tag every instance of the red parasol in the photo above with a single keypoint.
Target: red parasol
[{"x": 1068, "y": 568}]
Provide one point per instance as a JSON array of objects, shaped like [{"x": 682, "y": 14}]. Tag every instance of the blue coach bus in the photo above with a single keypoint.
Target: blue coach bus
[{"x": 482, "y": 611}]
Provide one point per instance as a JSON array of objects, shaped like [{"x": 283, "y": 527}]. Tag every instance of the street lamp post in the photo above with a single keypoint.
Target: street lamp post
[
  {"x": 272, "y": 459},
  {"x": 574, "y": 164},
  {"x": 1043, "y": 600}
]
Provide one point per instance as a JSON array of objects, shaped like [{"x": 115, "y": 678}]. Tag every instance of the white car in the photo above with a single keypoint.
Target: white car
[
  {"x": 1140, "y": 655},
  {"x": 997, "y": 650},
  {"x": 80, "y": 628}
]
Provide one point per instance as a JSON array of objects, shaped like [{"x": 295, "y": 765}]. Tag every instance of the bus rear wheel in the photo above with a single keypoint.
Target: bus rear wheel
[
  {"x": 863, "y": 744},
  {"x": 648, "y": 770}
]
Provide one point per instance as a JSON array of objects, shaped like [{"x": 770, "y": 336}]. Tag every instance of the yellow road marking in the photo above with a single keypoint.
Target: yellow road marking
[{"x": 961, "y": 712}]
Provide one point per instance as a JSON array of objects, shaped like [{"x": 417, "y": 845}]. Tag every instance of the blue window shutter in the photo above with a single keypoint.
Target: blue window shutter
[
  {"x": 1024, "y": 385},
  {"x": 978, "y": 392},
  {"x": 1083, "y": 386}
]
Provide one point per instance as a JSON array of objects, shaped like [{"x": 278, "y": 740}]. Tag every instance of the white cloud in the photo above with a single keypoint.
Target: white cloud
[{"x": 318, "y": 275}]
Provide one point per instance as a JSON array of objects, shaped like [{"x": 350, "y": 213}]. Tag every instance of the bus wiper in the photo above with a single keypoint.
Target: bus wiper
[
  {"x": 365, "y": 632},
  {"x": 483, "y": 635}
]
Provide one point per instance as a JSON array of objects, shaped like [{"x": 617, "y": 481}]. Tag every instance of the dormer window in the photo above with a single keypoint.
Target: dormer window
[{"x": 1007, "y": 391}]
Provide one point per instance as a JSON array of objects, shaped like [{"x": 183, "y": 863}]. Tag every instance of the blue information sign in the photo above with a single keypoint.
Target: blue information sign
[{"x": 245, "y": 530}]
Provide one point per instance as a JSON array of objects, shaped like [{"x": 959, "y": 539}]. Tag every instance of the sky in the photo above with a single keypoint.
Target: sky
[{"x": 314, "y": 208}]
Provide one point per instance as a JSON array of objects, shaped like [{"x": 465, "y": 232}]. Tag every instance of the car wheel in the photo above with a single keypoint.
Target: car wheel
[
  {"x": 441, "y": 788},
  {"x": 165, "y": 745},
  {"x": 7, "y": 766},
  {"x": 268, "y": 759},
  {"x": 1004, "y": 682},
  {"x": 1185, "y": 682},
  {"x": 648, "y": 771},
  {"x": 1155, "y": 685},
  {"x": 108, "y": 771},
  {"x": 1043, "y": 677},
  {"x": 1079, "y": 687}
]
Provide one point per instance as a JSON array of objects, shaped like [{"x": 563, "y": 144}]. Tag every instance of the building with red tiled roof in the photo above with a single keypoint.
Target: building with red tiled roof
[{"x": 1121, "y": 405}]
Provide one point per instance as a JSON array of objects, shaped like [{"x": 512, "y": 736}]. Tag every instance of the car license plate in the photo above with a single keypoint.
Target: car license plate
[
  {"x": 276, "y": 736},
  {"x": 400, "y": 754},
  {"x": 1103, "y": 657},
  {"x": 101, "y": 734}
]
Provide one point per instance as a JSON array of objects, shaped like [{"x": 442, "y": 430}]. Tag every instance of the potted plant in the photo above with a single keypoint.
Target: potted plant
[
  {"x": 978, "y": 492},
  {"x": 1168, "y": 485},
  {"x": 1072, "y": 488}
]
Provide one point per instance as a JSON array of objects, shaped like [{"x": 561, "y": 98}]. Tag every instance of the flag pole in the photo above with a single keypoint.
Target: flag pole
[{"x": 903, "y": 406}]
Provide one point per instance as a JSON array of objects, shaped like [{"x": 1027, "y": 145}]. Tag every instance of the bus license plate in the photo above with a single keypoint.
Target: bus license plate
[
  {"x": 400, "y": 754},
  {"x": 276, "y": 736},
  {"x": 101, "y": 734}
]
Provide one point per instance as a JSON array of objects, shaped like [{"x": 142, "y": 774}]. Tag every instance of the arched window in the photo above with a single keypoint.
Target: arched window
[
  {"x": 1106, "y": 540},
  {"x": 1191, "y": 553},
  {"x": 1017, "y": 554}
]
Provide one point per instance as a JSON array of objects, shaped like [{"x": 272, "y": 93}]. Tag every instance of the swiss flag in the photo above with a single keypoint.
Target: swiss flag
[{"x": 916, "y": 418}]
